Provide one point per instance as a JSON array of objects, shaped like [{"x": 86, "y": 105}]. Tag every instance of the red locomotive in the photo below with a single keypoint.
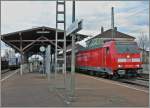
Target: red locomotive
[{"x": 112, "y": 58}]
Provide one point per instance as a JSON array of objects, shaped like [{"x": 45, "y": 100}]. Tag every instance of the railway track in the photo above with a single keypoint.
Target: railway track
[
  {"x": 5, "y": 71},
  {"x": 136, "y": 81},
  {"x": 6, "y": 74},
  {"x": 143, "y": 80},
  {"x": 139, "y": 81},
  {"x": 144, "y": 77}
]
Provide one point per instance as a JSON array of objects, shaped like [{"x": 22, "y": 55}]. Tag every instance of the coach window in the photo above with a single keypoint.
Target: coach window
[{"x": 107, "y": 50}]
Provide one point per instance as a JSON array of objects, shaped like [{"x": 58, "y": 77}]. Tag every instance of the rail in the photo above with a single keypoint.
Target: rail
[
  {"x": 9, "y": 75},
  {"x": 4, "y": 71},
  {"x": 13, "y": 72},
  {"x": 137, "y": 82}
]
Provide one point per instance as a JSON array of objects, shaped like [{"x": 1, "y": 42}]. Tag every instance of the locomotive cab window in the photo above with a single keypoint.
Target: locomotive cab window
[
  {"x": 127, "y": 47},
  {"x": 107, "y": 50}
]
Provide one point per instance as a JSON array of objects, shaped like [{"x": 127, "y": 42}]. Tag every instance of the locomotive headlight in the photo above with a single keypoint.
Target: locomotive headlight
[
  {"x": 136, "y": 59},
  {"x": 128, "y": 56},
  {"x": 138, "y": 65},
  {"x": 122, "y": 59},
  {"x": 119, "y": 66}
]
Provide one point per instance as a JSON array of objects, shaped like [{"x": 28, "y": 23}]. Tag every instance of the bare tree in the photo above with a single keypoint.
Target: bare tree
[{"x": 143, "y": 42}]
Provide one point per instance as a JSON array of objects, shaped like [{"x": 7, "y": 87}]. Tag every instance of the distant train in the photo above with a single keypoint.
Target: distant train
[
  {"x": 14, "y": 63},
  {"x": 113, "y": 59},
  {"x": 4, "y": 64},
  {"x": 10, "y": 63}
]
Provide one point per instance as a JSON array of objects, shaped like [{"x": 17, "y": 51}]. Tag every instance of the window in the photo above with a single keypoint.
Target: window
[
  {"x": 130, "y": 47},
  {"x": 95, "y": 42}
]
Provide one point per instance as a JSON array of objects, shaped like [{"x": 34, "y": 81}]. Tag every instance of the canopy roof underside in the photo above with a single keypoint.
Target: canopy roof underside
[{"x": 33, "y": 38}]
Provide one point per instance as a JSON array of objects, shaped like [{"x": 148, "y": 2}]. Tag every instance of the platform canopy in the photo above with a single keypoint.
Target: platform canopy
[{"x": 32, "y": 39}]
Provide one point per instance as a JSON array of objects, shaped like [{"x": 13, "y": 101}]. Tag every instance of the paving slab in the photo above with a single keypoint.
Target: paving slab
[
  {"x": 29, "y": 90},
  {"x": 99, "y": 92},
  {"x": 32, "y": 90}
]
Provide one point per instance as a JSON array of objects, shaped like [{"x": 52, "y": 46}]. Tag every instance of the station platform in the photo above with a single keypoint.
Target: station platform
[{"x": 32, "y": 90}]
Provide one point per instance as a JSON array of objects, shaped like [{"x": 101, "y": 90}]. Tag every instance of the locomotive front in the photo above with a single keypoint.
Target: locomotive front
[{"x": 128, "y": 59}]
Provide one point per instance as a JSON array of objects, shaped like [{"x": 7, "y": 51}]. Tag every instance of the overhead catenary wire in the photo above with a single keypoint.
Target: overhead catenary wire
[{"x": 139, "y": 12}]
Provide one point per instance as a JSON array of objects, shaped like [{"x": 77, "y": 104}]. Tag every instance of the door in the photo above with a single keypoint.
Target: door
[{"x": 107, "y": 57}]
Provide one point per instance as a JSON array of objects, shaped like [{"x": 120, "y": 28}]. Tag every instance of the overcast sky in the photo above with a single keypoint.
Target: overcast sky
[{"x": 131, "y": 17}]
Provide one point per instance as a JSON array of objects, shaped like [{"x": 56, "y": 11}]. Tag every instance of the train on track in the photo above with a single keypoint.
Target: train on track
[
  {"x": 4, "y": 64},
  {"x": 111, "y": 59},
  {"x": 14, "y": 63},
  {"x": 11, "y": 63}
]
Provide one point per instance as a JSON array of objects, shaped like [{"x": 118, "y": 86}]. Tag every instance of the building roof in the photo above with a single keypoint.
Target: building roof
[
  {"x": 30, "y": 35},
  {"x": 108, "y": 34}
]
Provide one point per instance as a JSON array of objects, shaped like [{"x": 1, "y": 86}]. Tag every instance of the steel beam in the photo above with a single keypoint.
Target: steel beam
[
  {"x": 37, "y": 40},
  {"x": 21, "y": 52},
  {"x": 32, "y": 43},
  {"x": 11, "y": 45}
]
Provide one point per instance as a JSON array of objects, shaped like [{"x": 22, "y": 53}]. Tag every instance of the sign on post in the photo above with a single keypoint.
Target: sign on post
[{"x": 74, "y": 27}]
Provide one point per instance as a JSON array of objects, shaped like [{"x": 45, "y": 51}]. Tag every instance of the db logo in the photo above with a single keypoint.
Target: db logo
[{"x": 129, "y": 60}]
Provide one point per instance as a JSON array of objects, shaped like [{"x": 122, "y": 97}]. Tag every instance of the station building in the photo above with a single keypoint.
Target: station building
[{"x": 107, "y": 35}]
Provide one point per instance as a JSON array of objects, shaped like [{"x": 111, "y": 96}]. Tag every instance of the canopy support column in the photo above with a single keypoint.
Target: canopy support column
[
  {"x": 73, "y": 66},
  {"x": 73, "y": 54},
  {"x": 48, "y": 62},
  {"x": 21, "y": 52}
]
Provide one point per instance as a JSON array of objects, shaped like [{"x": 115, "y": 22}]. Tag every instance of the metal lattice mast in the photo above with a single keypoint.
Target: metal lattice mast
[{"x": 62, "y": 40}]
